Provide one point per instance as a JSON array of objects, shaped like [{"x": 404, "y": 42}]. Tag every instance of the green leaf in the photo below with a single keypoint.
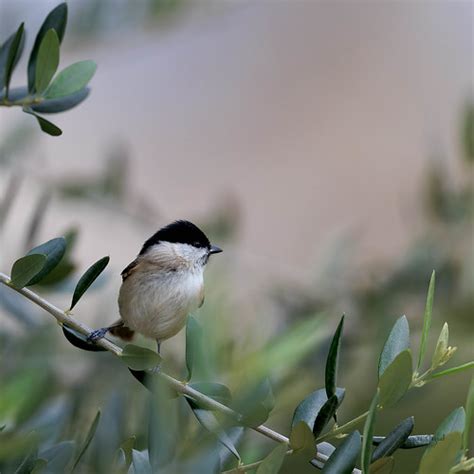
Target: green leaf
[
  {"x": 397, "y": 342},
  {"x": 216, "y": 391},
  {"x": 332, "y": 360},
  {"x": 56, "y": 20},
  {"x": 140, "y": 358},
  {"x": 59, "y": 456},
  {"x": 273, "y": 462},
  {"x": 196, "y": 354},
  {"x": 469, "y": 415},
  {"x": 394, "y": 439},
  {"x": 441, "y": 347},
  {"x": 396, "y": 379},
  {"x": 87, "y": 279},
  {"x": 412, "y": 442},
  {"x": 26, "y": 268},
  {"x": 453, "y": 370},
  {"x": 54, "y": 250},
  {"x": 141, "y": 464},
  {"x": 309, "y": 408},
  {"x": 366, "y": 454},
  {"x": 301, "y": 438},
  {"x": 344, "y": 459},
  {"x": 11, "y": 50},
  {"x": 47, "y": 60},
  {"x": 72, "y": 79},
  {"x": 453, "y": 423},
  {"x": 441, "y": 456},
  {"x": 88, "y": 439},
  {"x": 54, "y": 106},
  {"x": 39, "y": 467},
  {"x": 382, "y": 466},
  {"x": 468, "y": 132},
  {"x": 209, "y": 421},
  {"x": 45, "y": 125},
  {"x": 427, "y": 319},
  {"x": 127, "y": 448},
  {"x": 327, "y": 411}
]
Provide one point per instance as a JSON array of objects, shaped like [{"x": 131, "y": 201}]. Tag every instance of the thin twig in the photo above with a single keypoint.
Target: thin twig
[{"x": 64, "y": 318}]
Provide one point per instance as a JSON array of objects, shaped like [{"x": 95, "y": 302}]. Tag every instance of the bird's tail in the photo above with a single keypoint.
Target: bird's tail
[{"x": 120, "y": 330}]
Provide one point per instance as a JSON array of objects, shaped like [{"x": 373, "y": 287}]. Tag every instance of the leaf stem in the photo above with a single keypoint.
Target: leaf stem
[{"x": 64, "y": 318}]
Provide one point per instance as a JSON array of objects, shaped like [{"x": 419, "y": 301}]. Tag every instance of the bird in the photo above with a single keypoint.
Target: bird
[{"x": 163, "y": 284}]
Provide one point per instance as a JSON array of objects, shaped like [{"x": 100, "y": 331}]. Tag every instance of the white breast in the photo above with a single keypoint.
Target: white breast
[{"x": 157, "y": 304}]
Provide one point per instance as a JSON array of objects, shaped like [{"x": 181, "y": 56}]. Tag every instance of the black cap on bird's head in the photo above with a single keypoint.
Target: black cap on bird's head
[{"x": 181, "y": 232}]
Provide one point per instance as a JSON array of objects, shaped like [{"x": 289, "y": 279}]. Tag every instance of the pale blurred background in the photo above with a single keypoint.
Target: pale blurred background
[{"x": 303, "y": 133}]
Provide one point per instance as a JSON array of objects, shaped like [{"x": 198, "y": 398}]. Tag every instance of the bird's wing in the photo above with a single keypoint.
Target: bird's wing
[{"x": 129, "y": 269}]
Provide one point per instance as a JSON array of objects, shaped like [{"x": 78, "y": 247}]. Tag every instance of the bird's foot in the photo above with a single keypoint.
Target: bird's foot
[{"x": 94, "y": 336}]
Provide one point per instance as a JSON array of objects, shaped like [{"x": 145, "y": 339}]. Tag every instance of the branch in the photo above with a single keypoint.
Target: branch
[{"x": 64, "y": 318}]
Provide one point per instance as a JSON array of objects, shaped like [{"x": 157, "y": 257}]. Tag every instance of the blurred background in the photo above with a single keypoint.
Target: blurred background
[{"x": 326, "y": 146}]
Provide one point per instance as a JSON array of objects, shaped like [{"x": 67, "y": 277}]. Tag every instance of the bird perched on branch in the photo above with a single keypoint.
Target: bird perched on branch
[{"x": 163, "y": 284}]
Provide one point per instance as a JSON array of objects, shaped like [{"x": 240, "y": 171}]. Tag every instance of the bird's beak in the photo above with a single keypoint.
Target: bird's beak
[{"x": 214, "y": 249}]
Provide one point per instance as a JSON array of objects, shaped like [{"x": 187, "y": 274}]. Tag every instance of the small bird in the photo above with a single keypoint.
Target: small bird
[{"x": 163, "y": 284}]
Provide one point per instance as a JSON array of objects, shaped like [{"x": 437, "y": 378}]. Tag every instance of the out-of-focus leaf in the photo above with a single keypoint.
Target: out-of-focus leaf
[
  {"x": 140, "y": 463},
  {"x": 39, "y": 466},
  {"x": 468, "y": 133},
  {"x": 396, "y": 379},
  {"x": 80, "y": 341},
  {"x": 26, "y": 268},
  {"x": 366, "y": 453},
  {"x": 36, "y": 219},
  {"x": 54, "y": 106},
  {"x": 325, "y": 414},
  {"x": 56, "y": 20},
  {"x": 302, "y": 439},
  {"x": 162, "y": 426},
  {"x": 88, "y": 278},
  {"x": 466, "y": 465},
  {"x": 382, "y": 466},
  {"x": 196, "y": 354},
  {"x": 127, "y": 448},
  {"x": 394, "y": 439},
  {"x": 72, "y": 79},
  {"x": 47, "y": 60},
  {"x": 427, "y": 319},
  {"x": 14, "y": 94},
  {"x": 469, "y": 415},
  {"x": 58, "y": 457},
  {"x": 90, "y": 435},
  {"x": 441, "y": 456},
  {"x": 26, "y": 466},
  {"x": 441, "y": 347},
  {"x": 273, "y": 462},
  {"x": 453, "y": 423},
  {"x": 12, "y": 48},
  {"x": 45, "y": 125},
  {"x": 209, "y": 421},
  {"x": 344, "y": 458},
  {"x": 397, "y": 342},
  {"x": 61, "y": 273},
  {"x": 217, "y": 391},
  {"x": 54, "y": 250},
  {"x": 332, "y": 360},
  {"x": 309, "y": 408},
  {"x": 412, "y": 442},
  {"x": 140, "y": 358}
]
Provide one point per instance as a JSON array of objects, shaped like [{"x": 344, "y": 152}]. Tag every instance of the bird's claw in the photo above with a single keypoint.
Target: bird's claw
[{"x": 94, "y": 336}]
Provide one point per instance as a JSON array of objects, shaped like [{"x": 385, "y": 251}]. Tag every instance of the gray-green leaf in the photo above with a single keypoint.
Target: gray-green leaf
[
  {"x": 88, "y": 439},
  {"x": 56, "y": 20},
  {"x": 469, "y": 415},
  {"x": 441, "y": 456},
  {"x": 397, "y": 341},
  {"x": 453, "y": 423},
  {"x": 273, "y": 462},
  {"x": 45, "y": 125},
  {"x": 88, "y": 278},
  {"x": 26, "y": 268},
  {"x": 332, "y": 360},
  {"x": 54, "y": 250},
  {"x": 325, "y": 414},
  {"x": 394, "y": 439},
  {"x": 54, "y": 106},
  {"x": 47, "y": 61},
  {"x": 396, "y": 379},
  {"x": 13, "y": 49},
  {"x": 72, "y": 79},
  {"x": 140, "y": 462},
  {"x": 427, "y": 319},
  {"x": 344, "y": 459},
  {"x": 140, "y": 358},
  {"x": 368, "y": 433}
]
